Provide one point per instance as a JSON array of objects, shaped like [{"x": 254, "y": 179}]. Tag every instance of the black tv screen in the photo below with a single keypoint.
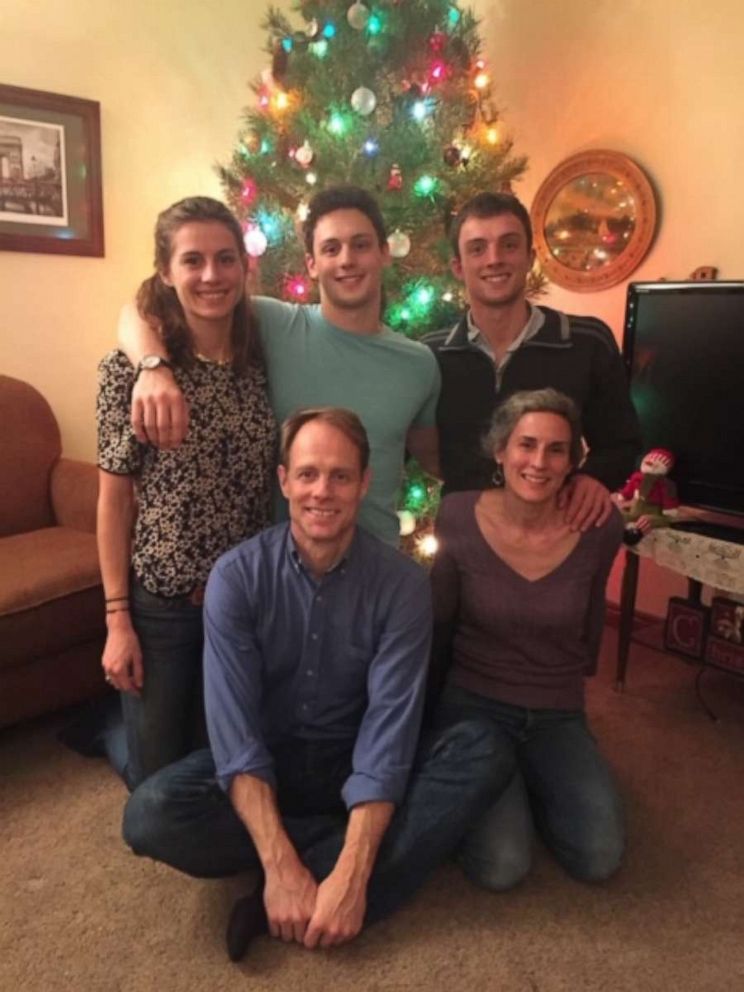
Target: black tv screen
[{"x": 684, "y": 350}]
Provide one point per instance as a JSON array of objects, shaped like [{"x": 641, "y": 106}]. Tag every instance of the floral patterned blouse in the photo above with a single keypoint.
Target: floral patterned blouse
[{"x": 198, "y": 500}]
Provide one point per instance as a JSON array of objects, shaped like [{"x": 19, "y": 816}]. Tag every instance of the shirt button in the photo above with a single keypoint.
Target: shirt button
[
  {"x": 320, "y": 599},
  {"x": 314, "y": 637},
  {"x": 309, "y": 671},
  {"x": 304, "y": 706}
]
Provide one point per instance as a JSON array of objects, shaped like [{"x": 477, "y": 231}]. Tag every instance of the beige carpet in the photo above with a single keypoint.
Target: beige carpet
[{"x": 78, "y": 912}]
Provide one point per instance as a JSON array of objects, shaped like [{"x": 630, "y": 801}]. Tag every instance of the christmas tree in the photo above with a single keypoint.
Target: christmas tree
[{"x": 395, "y": 97}]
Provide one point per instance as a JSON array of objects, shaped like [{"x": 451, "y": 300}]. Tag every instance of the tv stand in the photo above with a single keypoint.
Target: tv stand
[{"x": 703, "y": 557}]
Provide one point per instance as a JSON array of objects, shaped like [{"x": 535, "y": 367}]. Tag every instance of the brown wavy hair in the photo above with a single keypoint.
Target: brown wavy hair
[{"x": 158, "y": 303}]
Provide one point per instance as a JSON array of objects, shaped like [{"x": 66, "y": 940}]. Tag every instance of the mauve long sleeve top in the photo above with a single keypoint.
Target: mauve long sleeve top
[{"x": 526, "y": 642}]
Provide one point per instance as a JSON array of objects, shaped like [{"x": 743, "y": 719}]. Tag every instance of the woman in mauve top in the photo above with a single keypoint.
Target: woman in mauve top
[{"x": 519, "y": 609}]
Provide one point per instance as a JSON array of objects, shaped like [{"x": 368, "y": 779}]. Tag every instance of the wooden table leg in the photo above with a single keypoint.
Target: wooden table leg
[{"x": 627, "y": 611}]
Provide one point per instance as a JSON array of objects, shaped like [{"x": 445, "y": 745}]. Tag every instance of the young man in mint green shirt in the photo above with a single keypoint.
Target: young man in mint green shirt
[{"x": 336, "y": 353}]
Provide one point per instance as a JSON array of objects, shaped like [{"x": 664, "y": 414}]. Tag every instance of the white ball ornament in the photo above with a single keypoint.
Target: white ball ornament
[
  {"x": 399, "y": 244},
  {"x": 357, "y": 15},
  {"x": 363, "y": 100},
  {"x": 255, "y": 242},
  {"x": 407, "y": 523},
  {"x": 304, "y": 154}
]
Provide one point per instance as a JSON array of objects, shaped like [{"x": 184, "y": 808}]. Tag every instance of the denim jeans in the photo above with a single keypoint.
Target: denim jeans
[
  {"x": 182, "y": 817},
  {"x": 563, "y": 787},
  {"x": 166, "y": 721}
]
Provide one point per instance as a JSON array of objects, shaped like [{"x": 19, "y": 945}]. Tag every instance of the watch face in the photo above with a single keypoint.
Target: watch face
[{"x": 151, "y": 361}]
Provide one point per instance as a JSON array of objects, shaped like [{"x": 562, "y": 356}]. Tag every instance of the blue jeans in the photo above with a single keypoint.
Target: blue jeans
[
  {"x": 563, "y": 787},
  {"x": 182, "y": 817},
  {"x": 166, "y": 721}
]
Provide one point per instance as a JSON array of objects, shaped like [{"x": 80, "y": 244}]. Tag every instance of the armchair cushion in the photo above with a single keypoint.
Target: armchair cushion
[{"x": 30, "y": 444}]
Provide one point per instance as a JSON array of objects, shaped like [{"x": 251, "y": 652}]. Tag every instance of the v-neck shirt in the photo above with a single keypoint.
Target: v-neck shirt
[{"x": 528, "y": 642}]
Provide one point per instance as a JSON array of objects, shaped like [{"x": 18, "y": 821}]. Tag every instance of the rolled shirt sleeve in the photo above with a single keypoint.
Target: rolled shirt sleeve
[
  {"x": 396, "y": 684},
  {"x": 233, "y": 677}
]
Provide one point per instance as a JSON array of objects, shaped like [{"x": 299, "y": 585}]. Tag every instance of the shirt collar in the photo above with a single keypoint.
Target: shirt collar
[
  {"x": 535, "y": 321},
  {"x": 299, "y": 566}
]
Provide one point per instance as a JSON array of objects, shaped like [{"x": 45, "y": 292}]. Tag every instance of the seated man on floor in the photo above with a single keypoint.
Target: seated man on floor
[{"x": 317, "y": 639}]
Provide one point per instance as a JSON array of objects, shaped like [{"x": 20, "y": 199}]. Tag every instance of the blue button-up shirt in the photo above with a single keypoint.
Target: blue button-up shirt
[{"x": 340, "y": 658}]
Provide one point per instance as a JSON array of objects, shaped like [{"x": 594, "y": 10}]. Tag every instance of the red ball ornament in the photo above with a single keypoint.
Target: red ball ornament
[
  {"x": 248, "y": 191},
  {"x": 437, "y": 41},
  {"x": 395, "y": 180},
  {"x": 452, "y": 156}
]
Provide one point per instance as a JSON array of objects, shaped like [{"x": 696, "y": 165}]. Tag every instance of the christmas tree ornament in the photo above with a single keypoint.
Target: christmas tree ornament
[
  {"x": 451, "y": 156},
  {"x": 437, "y": 42},
  {"x": 304, "y": 154},
  {"x": 256, "y": 242},
  {"x": 407, "y": 523},
  {"x": 311, "y": 178},
  {"x": 395, "y": 179},
  {"x": 399, "y": 244},
  {"x": 303, "y": 209},
  {"x": 363, "y": 100},
  {"x": 248, "y": 191},
  {"x": 329, "y": 30},
  {"x": 371, "y": 147},
  {"x": 312, "y": 28},
  {"x": 357, "y": 15}
]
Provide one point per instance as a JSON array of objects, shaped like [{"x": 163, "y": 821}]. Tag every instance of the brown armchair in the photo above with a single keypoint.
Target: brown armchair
[{"x": 52, "y": 626}]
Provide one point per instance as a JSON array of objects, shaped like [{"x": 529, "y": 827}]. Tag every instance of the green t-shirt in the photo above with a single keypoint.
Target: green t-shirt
[{"x": 392, "y": 383}]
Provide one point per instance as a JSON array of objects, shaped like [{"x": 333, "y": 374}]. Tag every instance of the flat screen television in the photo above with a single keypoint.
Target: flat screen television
[{"x": 684, "y": 350}]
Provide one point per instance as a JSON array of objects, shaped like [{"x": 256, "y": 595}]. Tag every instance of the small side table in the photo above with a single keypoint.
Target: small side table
[{"x": 702, "y": 558}]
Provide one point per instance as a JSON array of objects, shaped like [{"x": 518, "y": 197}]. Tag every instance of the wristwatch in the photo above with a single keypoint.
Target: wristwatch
[{"x": 149, "y": 362}]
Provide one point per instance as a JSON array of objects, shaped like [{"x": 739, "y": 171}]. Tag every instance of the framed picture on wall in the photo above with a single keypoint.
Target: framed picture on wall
[{"x": 50, "y": 173}]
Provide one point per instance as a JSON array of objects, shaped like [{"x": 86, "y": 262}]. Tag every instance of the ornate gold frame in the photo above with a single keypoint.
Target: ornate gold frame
[{"x": 621, "y": 168}]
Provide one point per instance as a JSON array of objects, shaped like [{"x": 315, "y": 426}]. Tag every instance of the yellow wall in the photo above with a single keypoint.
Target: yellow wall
[
  {"x": 662, "y": 81},
  {"x": 171, "y": 77},
  {"x": 658, "y": 79}
]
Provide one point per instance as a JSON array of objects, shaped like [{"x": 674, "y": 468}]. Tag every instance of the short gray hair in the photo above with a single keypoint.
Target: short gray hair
[{"x": 511, "y": 411}]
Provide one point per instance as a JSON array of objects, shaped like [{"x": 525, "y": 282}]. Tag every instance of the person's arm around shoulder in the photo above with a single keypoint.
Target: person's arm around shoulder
[
  {"x": 609, "y": 419},
  {"x": 587, "y": 502},
  {"x": 423, "y": 444},
  {"x": 160, "y": 414}
]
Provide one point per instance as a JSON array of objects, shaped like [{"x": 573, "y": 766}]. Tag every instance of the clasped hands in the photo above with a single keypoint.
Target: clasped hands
[{"x": 298, "y": 909}]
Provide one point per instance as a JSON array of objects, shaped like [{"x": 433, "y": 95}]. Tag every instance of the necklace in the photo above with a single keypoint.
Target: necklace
[{"x": 212, "y": 361}]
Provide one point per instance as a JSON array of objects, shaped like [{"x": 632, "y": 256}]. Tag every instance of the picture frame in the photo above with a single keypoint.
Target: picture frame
[
  {"x": 51, "y": 197},
  {"x": 594, "y": 220}
]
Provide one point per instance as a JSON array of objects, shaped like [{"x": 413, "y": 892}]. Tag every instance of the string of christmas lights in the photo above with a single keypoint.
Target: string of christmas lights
[{"x": 391, "y": 95}]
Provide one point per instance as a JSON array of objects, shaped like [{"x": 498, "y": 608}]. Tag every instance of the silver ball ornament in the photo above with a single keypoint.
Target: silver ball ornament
[
  {"x": 357, "y": 15},
  {"x": 363, "y": 101},
  {"x": 255, "y": 242},
  {"x": 304, "y": 154},
  {"x": 399, "y": 244}
]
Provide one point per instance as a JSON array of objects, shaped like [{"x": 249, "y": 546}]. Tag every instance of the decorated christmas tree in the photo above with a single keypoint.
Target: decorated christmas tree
[{"x": 393, "y": 96}]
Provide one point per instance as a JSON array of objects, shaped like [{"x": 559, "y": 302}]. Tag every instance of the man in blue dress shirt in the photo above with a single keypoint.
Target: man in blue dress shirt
[{"x": 317, "y": 639}]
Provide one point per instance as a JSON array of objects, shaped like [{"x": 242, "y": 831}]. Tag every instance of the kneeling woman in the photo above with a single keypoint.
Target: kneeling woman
[
  {"x": 522, "y": 598},
  {"x": 165, "y": 516}
]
